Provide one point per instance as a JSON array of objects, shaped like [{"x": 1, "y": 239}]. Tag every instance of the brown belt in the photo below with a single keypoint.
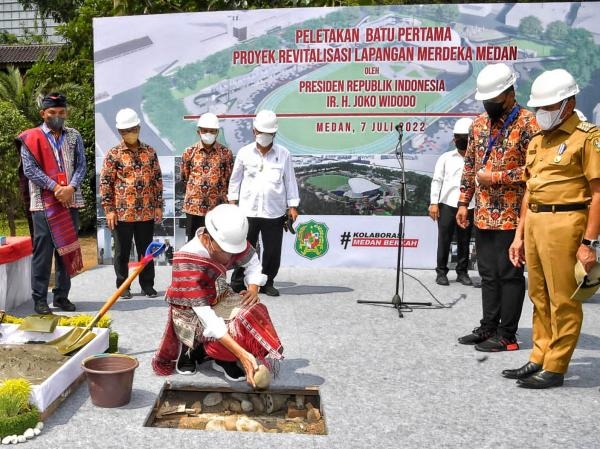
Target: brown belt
[{"x": 535, "y": 207}]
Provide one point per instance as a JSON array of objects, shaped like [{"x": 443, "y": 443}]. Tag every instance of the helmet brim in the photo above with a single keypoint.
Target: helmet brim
[{"x": 266, "y": 130}]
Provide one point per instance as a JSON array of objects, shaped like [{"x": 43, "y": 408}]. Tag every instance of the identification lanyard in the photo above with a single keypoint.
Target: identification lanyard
[
  {"x": 492, "y": 141},
  {"x": 56, "y": 148}
]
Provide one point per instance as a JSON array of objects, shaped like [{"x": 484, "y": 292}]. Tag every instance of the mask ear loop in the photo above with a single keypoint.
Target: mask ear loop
[{"x": 560, "y": 111}]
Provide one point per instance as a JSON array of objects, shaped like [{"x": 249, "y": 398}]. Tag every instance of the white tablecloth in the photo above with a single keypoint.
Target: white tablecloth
[{"x": 15, "y": 283}]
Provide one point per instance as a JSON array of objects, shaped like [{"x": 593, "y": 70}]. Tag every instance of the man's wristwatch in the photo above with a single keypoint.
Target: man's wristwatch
[{"x": 591, "y": 243}]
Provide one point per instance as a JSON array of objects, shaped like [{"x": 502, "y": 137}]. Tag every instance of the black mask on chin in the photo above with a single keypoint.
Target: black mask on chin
[
  {"x": 461, "y": 143},
  {"x": 494, "y": 110}
]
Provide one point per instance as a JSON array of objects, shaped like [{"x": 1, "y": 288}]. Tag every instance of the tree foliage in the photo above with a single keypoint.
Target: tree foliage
[
  {"x": 556, "y": 31},
  {"x": 531, "y": 26},
  {"x": 21, "y": 93},
  {"x": 13, "y": 122}
]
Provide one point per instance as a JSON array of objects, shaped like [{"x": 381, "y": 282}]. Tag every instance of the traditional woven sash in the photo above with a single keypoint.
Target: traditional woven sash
[
  {"x": 251, "y": 328},
  {"x": 58, "y": 217}
]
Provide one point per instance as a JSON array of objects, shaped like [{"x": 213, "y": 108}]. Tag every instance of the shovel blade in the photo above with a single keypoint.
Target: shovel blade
[
  {"x": 72, "y": 340},
  {"x": 39, "y": 323}
]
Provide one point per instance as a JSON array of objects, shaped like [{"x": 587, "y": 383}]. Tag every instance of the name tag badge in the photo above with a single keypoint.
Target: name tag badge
[{"x": 61, "y": 178}]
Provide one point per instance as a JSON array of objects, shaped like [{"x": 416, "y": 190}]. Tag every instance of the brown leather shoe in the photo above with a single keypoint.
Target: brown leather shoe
[{"x": 520, "y": 373}]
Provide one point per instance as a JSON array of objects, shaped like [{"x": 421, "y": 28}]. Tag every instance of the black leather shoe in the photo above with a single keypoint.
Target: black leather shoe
[
  {"x": 464, "y": 279},
  {"x": 150, "y": 292},
  {"x": 269, "y": 290},
  {"x": 64, "y": 304},
  {"x": 542, "y": 379},
  {"x": 442, "y": 279},
  {"x": 520, "y": 373},
  {"x": 41, "y": 307}
]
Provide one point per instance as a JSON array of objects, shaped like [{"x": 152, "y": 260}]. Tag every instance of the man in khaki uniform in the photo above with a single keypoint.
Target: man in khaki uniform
[{"x": 559, "y": 225}]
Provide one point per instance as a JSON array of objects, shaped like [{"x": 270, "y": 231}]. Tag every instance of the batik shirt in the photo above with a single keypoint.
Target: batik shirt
[
  {"x": 131, "y": 183},
  {"x": 206, "y": 174},
  {"x": 497, "y": 206}
]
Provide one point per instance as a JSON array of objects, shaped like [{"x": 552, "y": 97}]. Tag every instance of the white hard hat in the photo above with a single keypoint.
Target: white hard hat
[
  {"x": 228, "y": 226},
  {"x": 552, "y": 87},
  {"x": 493, "y": 80},
  {"x": 127, "y": 118},
  {"x": 265, "y": 121},
  {"x": 208, "y": 120},
  {"x": 462, "y": 125}
]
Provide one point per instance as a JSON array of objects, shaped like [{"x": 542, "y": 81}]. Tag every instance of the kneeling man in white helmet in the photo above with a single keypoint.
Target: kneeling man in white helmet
[{"x": 206, "y": 318}]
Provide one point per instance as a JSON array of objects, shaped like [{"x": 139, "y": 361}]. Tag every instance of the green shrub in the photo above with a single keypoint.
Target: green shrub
[
  {"x": 16, "y": 425},
  {"x": 14, "y": 397}
]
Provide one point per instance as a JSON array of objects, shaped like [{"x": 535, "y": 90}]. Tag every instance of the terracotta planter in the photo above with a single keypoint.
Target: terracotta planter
[{"x": 110, "y": 378}]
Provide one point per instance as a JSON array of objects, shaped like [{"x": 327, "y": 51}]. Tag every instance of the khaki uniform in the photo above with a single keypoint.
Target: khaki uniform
[{"x": 559, "y": 166}]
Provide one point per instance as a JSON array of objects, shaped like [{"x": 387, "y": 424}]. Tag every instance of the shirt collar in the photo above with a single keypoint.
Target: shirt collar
[{"x": 271, "y": 150}]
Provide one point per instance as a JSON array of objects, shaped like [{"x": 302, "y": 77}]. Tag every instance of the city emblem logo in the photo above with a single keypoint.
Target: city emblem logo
[{"x": 311, "y": 240}]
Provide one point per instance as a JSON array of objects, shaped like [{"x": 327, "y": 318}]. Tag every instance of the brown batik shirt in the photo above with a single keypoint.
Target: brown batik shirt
[
  {"x": 497, "y": 206},
  {"x": 131, "y": 183},
  {"x": 206, "y": 174}
]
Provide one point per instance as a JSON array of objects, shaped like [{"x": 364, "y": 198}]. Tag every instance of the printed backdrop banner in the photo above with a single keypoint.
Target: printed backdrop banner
[{"x": 353, "y": 87}]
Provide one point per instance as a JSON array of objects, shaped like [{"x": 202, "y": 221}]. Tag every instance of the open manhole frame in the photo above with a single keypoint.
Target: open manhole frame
[{"x": 311, "y": 395}]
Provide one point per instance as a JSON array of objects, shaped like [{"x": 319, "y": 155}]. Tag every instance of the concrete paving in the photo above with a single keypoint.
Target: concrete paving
[{"x": 385, "y": 382}]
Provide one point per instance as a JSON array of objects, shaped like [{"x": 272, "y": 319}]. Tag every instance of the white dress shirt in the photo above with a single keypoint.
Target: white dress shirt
[
  {"x": 264, "y": 186},
  {"x": 445, "y": 185},
  {"x": 214, "y": 326}
]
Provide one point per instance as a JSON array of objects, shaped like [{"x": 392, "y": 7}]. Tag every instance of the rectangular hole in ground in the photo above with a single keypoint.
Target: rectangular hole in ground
[{"x": 218, "y": 408}]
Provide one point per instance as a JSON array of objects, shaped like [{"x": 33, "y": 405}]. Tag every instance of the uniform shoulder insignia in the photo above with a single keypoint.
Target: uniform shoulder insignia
[{"x": 586, "y": 127}]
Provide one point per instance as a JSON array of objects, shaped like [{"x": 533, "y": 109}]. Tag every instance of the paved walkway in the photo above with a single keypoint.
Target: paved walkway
[{"x": 385, "y": 382}]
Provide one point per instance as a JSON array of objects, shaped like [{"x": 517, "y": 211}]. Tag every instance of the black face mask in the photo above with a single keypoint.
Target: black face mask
[
  {"x": 461, "y": 143},
  {"x": 494, "y": 110}
]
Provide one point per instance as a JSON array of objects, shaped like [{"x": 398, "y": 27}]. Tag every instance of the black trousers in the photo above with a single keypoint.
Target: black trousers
[
  {"x": 502, "y": 284},
  {"x": 192, "y": 223},
  {"x": 142, "y": 232},
  {"x": 271, "y": 232},
  {"x": 446, "y": 228},
  {"x": 41, "y": 260}
]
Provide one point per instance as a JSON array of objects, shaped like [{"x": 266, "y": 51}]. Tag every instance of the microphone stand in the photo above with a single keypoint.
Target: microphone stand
[{"x": 397, "y": 301}]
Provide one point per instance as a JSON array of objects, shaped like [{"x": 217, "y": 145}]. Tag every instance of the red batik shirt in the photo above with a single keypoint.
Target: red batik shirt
[
  {"x": 497, "y": 206},
  {"x": 131, "y": 183},
  {"x": 206, "y": 173}
]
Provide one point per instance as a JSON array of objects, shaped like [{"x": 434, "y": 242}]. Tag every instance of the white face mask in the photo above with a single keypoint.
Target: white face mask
[
  {"x": 264, "y": 140},
  {"x": 208, "y": 138},
  {"x": 549, "y": 119}
]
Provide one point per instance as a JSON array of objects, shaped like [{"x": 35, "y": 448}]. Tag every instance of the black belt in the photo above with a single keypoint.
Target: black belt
[{"x": 534, "y": 207}]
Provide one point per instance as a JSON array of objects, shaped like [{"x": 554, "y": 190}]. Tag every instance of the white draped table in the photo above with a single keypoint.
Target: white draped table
[{"x": 15, "y": 272}]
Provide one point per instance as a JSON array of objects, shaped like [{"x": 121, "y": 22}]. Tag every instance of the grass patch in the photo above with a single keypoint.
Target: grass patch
[{"x": 22, "y": 227}]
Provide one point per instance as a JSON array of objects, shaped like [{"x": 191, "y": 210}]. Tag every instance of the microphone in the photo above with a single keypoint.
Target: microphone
[{"x": 400, "y": 130}]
